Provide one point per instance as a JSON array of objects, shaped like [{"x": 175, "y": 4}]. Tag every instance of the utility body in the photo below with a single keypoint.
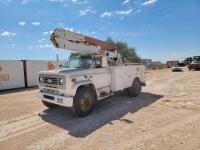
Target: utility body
[{"x": 86, "y": 79}]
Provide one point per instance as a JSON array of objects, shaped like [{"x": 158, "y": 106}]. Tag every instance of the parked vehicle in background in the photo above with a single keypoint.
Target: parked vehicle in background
[
  {"x": 181, "y": 64},
  {"x": 195, "y": 64},
  {"x": 172, "y": 62},
  {"x": 176, "y": 68},
  {"x": 188, "y": 61},
  {"x": 196, "y": 58}
]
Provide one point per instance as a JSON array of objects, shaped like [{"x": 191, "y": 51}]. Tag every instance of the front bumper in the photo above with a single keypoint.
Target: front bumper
[
  {"x": 177, "y": 69},
  {"x": 194, "y": 66},
  {"x": 66, "y": 101}
]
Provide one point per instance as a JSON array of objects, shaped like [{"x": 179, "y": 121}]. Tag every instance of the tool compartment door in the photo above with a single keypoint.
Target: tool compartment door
[
  {"x": 122, "y": 76},
  {"x": 131, "y": 72},
  {"x": 117, "y": 78}
]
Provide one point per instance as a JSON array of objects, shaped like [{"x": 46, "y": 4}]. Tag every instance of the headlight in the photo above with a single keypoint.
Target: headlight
[
  {"x": 61, "y": 81},
  {"x": 40, "y": 79}
]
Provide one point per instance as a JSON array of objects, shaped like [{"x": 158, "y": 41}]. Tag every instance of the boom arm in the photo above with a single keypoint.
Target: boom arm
[{"x": 77, "y": 42}]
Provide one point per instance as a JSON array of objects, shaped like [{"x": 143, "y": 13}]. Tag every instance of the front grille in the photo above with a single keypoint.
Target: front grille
[{"x": 50, "y": 80}]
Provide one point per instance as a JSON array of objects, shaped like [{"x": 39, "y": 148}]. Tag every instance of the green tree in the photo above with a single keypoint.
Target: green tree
[
  {"x": 128, "y": 53},
  {"x": 76, "y": 54}
]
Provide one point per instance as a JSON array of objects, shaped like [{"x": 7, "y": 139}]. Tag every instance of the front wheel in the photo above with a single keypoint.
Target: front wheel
[
  {"x": 135, "y": 89},
  {"x": 83, "y": 102}
]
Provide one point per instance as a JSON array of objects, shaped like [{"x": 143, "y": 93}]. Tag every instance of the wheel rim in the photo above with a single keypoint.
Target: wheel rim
[{"x": 85, "y": 104}]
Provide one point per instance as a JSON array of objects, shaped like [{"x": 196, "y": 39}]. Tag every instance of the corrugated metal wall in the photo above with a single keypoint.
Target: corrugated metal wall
[{"x": 18, "y": 74}]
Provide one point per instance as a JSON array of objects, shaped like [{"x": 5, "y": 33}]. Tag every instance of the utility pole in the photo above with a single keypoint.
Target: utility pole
[{"x": 57, "y": 57}]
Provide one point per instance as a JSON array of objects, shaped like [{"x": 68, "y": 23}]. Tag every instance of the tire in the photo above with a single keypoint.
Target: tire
[
  {"x": 135, "y": 89},
  {"x": 83, "y": 102},
  {"x": 49, "y": 105}
]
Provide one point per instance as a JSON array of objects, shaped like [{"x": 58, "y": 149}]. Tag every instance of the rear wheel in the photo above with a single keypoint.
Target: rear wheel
[
  {"x": 49, "y": 105},
  {"x": 135, "y": 89},
  {"x": 83, "y": 102}
]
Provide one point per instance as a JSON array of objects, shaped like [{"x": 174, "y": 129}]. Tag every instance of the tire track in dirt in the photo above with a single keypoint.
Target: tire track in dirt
[
  {"x": 18, "y": 126},
  {"x": 17, "y": 118}
]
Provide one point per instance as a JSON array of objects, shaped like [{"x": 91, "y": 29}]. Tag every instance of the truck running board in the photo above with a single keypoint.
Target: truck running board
[{"x": 106, "y": 96}]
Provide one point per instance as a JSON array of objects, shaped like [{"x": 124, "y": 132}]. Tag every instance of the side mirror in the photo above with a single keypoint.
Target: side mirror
[{"x": 92, "y": 65}]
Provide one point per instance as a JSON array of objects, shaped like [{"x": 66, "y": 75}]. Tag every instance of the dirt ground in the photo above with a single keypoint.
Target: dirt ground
[{"x": 166, "y": 115}]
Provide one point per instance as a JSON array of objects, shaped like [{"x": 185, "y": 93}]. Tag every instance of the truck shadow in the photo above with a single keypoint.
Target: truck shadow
[{"x": 104, "y": 113}]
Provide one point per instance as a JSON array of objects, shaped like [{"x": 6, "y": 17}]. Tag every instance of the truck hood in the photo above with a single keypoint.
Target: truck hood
[{"x": 64, "y": 71}]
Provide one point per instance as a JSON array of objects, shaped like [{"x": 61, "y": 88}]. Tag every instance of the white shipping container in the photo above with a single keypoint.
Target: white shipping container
[
  {"x": 34, "y": 66},
  {"x": 11, "y": 74}
]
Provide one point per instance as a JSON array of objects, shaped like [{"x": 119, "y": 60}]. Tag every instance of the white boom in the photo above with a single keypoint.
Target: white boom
[
  {"x": 68, "y": 40},
  {"x": 72, "y": 41}
]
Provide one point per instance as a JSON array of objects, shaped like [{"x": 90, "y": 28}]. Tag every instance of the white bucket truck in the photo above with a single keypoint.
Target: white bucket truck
[{"x": 88, "y": 78}]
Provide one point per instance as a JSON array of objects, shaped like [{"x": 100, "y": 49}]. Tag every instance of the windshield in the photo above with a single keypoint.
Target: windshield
[
  {"x": 196, "y": 58},
  {"x": 78, "y": 63},
  {"x": 176, "y": 66}
]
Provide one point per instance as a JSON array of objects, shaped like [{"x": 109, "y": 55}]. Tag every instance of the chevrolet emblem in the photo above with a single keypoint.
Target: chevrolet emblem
[{"x": 49, "y": 81}]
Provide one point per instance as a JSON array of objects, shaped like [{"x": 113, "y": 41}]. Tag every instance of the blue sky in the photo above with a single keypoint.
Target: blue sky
[{"x": 159, "y": 29}]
